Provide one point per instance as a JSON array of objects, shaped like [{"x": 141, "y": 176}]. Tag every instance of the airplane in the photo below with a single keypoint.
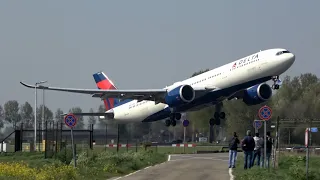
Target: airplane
[{"x": 243, "y": 79}]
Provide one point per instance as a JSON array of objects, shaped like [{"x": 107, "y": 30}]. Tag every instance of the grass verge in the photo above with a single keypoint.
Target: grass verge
[
  {"x": 90, "y": 165},
  {"x": 291, "y": 166}
]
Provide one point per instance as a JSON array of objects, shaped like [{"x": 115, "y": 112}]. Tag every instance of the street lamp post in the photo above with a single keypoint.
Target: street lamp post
[{"x": 35, "y": 114}]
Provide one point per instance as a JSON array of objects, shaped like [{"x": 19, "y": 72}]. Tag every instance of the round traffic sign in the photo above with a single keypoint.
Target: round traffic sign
[
  {"x": 185, "y": 123},
  {"x": 265, "y": 113},
  {"x": 70, "y": 120},
  {"x": 257, "y": 124}
]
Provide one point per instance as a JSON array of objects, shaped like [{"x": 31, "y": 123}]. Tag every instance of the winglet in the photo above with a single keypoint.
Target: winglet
[
  {"x": 27, "y": 85},
  {"x": 32, "y": 86}
]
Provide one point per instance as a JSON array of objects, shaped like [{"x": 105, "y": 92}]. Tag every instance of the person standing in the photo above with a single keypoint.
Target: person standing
[
  {"x": 268, "y": 151},
  {"x": 257, "y": 150},
  {"x": 233, "y": 150},
  {"x": 248, "y": 147}
]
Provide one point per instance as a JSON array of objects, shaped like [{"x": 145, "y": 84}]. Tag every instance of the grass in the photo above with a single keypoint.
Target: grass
[
  {"x": 291, "y": 166},
  {"x": 90, "y": 164}
]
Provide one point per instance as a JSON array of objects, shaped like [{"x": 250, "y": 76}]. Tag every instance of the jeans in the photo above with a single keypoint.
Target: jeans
[
  {"x": 256, "y": 154},
  {"x": 232, "y": 158},
  {"x": 248, "y": 155},
  {"x": 267, "y": 160}
]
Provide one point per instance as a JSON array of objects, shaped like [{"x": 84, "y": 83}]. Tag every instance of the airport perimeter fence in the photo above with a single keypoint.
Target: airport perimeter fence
[{"x": 54, "y": 137}]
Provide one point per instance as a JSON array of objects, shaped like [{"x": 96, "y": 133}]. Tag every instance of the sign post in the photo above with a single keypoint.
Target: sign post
[
  {"x": 257, "y": 125},
  {"x": 185, "y": 125},
  {"x": 306, "y": 139},
  {"x": 265, "y": 114},
  {"x": 70, "y": 120}
]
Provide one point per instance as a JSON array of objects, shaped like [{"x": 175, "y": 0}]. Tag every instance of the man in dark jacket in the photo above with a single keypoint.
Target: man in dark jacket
[
  {"x": 248, "y": 147},
  {"x": 233, "y": 150},
  {"x": 268, "y": 151}
]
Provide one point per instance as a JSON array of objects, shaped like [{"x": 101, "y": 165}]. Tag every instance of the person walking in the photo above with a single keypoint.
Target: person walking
[
  {"x": 257, "y": 150},
  {"x": 248, "y": 147},
  {"x": 233, "y": 150}
]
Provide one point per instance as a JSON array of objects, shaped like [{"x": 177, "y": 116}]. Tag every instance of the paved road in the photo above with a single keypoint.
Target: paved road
[{"x": 186, "y": 167}]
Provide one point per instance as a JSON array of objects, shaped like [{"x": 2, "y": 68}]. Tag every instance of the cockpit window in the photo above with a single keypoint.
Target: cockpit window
[{"x": 282, "y": 52}]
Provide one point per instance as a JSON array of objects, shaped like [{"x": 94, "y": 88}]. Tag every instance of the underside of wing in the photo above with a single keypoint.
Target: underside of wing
[
  {"x": 157, "y": 95},
  {"x": 101, "y": 93}
]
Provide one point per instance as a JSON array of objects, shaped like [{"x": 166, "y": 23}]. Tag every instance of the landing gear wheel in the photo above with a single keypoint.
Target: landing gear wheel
[
  {"x": 177, "y": 116},
  {"x": 212, "y": 122},
  {"x": 168, "y": 122},
  {"x": 173, "y": 123},
  {"x": 222, "y": 115}
]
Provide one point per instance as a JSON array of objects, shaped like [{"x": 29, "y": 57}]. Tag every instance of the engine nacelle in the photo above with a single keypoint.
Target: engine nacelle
[
  {"x": 257, "y": 94},
  {"x": 180, "y": 95}
]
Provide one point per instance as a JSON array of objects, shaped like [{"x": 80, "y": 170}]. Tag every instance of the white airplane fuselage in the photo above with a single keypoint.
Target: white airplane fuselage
[{"x": 228, "y": 79}]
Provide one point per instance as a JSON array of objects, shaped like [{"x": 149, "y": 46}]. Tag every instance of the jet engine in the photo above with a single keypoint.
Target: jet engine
[
  {"x": 257, "y": 94},
  {"x": 179, "y": 95}
]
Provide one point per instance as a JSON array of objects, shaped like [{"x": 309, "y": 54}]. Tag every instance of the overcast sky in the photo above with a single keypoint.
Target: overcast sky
[{"x": 142, "y": 44}]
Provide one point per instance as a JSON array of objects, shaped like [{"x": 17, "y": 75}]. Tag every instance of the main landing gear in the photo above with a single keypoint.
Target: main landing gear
[
  {"x": 276, "y": 83},
  {"x": 217, "y": 115},
  {"x": 216, "y": 119},
  {"x": 172, "y": 121}
]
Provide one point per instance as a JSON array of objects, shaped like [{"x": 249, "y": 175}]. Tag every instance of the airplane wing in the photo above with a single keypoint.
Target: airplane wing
[
  {"x": 89, "y": 114},
  {"x": 142, "y": 94}
]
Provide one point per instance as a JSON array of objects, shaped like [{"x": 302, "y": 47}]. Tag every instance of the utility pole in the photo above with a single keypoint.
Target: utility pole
[
  {"x": 35, "y": 113},
  {"x": 43, "y": 115}
]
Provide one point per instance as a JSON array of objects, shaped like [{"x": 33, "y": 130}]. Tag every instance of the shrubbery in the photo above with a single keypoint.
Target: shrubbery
[
  {"x": 22, "y": 171},
  {"x": 290, "y": 167},
  {"x": 108, "y": 164},
  {"x": 89, "y": 164}
]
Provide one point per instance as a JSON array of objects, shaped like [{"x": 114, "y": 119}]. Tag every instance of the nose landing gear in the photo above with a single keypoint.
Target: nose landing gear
[{"x": 276, "y": 82}]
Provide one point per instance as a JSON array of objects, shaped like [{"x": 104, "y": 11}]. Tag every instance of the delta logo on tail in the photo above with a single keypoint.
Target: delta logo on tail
[{"x": 103, "y": 82}]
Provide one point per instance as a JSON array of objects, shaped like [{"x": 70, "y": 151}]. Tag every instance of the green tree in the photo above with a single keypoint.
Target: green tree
[
  {"x": 92, "y": 119},
  {"x": 48, "y": 114},
  {"x": 12, "y": 116},
  {"x": 27, "y": 115},
  {"x": 58, "y": 116},
  {"x": 80, "y": 121},
  {"x": 1, "y": 117}
]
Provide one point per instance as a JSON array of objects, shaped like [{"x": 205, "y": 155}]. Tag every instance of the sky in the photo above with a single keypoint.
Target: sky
[{"x": 142, "y": 44}]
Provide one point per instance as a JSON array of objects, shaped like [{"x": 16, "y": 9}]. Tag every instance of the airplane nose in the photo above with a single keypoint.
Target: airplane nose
[{"x": 292, "y": 58}]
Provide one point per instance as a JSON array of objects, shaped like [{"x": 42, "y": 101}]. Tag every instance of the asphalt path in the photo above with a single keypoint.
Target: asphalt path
[{"x": 186, "y": 167}]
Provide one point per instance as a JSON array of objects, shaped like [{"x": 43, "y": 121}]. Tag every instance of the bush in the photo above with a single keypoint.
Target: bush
[
  {"x": 65, "y": 155},
  {"x": 23, "y": 171},
  {"x": 290, "y": 167},
  {"x": 89, "y": 164},
  {"x": 108, "y": 164}
]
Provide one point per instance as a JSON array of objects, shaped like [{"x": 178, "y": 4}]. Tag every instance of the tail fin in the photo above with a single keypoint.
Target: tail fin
[{"x": 103, "y": 82}]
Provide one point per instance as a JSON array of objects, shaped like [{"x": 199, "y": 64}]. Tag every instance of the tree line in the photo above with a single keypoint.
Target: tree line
[
  {"x": 298, "y": 97},
  {"x": 12, "y": 114}
]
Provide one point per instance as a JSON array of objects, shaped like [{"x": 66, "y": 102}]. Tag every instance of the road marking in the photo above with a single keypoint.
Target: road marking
[
  {"x": 169, "y": 157},
  {"x": 230, "y": 173}
]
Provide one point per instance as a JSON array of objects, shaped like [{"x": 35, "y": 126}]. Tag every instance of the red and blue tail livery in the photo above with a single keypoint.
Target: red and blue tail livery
[{"x": 103, "y": 82}]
